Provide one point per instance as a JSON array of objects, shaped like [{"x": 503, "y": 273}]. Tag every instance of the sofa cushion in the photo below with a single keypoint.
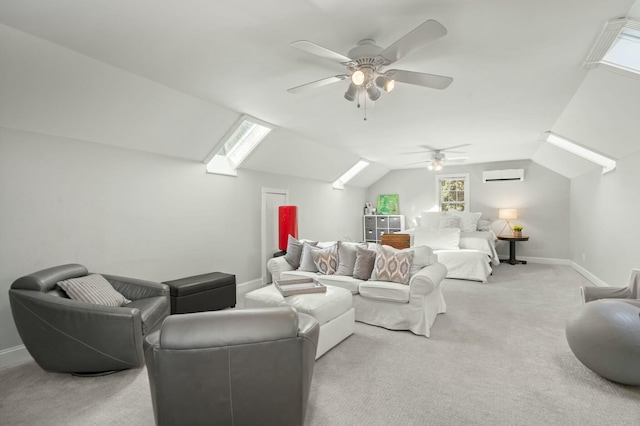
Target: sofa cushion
[
  {"x": 342, "y": 281},
  {"x": 422, "y": 256},
  {"x": 297, "y": 274},
  {"x": 365, "y": 262},
  {"x": 306, "y": 260},
  {"x": 94, "y": 289},
  {"x": 385, "y": 290},
  {"x": 325, "y": 259},
  {"x": 393, "y": 265},
  {"x": 346, "y": 257},
  {"x": 294, "y": 251}
]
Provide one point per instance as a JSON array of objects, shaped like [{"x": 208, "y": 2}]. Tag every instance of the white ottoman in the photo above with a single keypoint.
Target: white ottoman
[{"x": 333, "y": 310}]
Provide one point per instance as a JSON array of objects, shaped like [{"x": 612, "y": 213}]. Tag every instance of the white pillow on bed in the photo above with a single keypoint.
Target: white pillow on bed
[
  {"x": 429, "y": 220},
  {"x": 468, "y": 222},
  {"x": 438, "y": 239}
]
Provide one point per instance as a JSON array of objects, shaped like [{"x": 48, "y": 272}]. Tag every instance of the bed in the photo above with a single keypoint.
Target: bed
[{"x": 467, "y": 255}]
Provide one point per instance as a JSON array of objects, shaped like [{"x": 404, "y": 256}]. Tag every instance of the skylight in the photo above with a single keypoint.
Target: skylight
[
  {"x": 561, "y": 142},
  {"x": 350, "y": 174},
  {"x": 236, "y": 145},
  {"x": 618, "y": 48}
]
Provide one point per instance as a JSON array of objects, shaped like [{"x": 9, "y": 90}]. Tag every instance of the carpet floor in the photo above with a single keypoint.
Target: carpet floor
[{"x": 499, "y": 356}]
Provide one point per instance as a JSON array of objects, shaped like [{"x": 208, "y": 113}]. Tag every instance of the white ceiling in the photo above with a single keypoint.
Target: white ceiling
[{"x": 516, "y": 66}]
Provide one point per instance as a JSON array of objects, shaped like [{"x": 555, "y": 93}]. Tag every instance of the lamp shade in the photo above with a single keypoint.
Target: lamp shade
[
  {"x": 507, "y": 213},
  {"x": 287, "y": 225}
]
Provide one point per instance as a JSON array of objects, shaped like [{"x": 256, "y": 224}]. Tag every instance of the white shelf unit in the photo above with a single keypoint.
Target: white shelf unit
[{"x": 376, "y": 225}]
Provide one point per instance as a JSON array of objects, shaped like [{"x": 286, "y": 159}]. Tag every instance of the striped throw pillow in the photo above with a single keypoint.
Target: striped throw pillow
[{"x": 94, "y": 289}]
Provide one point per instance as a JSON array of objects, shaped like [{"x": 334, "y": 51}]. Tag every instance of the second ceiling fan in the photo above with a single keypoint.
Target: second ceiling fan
[{"x": 366, "y": 63}]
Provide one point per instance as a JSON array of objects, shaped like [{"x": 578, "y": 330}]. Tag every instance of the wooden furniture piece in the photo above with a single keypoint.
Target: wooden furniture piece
[
  {"x": 512, "y": 249},
  {"x": 376, "y": 225},
  {"x": 399, "y": 241}
]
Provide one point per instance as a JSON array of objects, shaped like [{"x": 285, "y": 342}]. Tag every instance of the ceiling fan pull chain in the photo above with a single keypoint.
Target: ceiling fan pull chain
[{"x": 365, "y": 108}]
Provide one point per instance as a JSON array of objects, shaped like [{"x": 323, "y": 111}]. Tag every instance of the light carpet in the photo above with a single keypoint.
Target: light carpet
[{"x": 498, "y": 357}]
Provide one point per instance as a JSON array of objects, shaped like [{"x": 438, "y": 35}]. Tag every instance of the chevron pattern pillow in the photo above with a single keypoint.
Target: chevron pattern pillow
[
  {"x": 326, "y": 259},
  {"x": 94, "y": 289},
  {"x": 393, "y": 265}
]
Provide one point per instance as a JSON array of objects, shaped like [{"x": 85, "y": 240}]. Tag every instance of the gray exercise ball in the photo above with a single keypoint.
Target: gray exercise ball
[{"x": 605, "y": 336}]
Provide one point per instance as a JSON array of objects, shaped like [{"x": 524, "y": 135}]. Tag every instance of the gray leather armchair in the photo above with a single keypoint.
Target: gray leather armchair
[
  {"x": 234, "y": 367},
  {"x": 631, "y": 291},
  {"x": 70, "y": 336}
]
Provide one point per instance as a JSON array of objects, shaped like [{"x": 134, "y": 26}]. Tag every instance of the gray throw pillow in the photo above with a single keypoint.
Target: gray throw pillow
[
  {"x": 346, "y": 257},
  {"x": 294, "y": 251},
  {"x": 365, "y": 261},
  {"x": 94, "y": 289},
  {"x": 306, "y": 260},
  {"x": 325, "y": 259}
]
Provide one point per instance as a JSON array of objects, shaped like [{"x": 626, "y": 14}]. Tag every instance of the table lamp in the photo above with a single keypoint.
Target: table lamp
[{"x": 507, "y": 214}]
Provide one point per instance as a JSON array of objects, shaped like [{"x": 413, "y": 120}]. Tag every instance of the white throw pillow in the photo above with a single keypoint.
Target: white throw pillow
[
  {"x": 449, "y": 220},
  {"x": 422, "y": 256},
  {"x": 430, "y": 220},
  {"x": 438, "y": 239},
  {"x": 468, "y": 222}
]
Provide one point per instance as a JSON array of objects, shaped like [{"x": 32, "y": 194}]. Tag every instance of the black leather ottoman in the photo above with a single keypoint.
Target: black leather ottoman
[{"x": 207, "y": 292}]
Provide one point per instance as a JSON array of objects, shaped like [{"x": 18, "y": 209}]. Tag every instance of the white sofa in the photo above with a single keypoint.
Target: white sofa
[{"x": 386, "y": 304}]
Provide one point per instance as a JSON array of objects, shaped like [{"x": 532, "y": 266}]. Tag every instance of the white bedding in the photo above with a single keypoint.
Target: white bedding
[
  {"x": 484, "y": 241},
  {"x": 474, "y": 259},
  {"x": 465, "y": 264}
]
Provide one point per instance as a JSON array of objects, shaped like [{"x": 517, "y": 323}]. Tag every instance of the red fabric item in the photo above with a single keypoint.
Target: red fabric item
[{"x": 287, "y": 224}]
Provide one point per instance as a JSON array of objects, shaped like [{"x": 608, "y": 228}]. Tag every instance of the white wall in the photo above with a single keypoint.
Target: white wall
[
  {"x": 141, "y": 215},
  {"x": 604, "y": 221},
  {"x": 542, "y": 200}
]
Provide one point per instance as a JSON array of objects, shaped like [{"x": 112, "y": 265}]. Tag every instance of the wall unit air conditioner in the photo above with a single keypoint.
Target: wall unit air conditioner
[{"x": 510, "y": 175}]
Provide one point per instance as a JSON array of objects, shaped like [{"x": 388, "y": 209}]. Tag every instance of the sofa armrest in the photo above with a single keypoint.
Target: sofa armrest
[
  {"x": 276, "y": 266},
  {"x": 425, "y": 281},
  {"x": 135, "y": 289}
]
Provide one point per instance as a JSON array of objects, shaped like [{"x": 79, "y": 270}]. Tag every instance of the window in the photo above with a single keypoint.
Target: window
[
  {"x": 563, "y": 143},
  {"x": 236, "y": 145},
  {"x": 453, "y": 192},
  {"x": 618, "y": 48},
  {"x": 350, "y": 174}
]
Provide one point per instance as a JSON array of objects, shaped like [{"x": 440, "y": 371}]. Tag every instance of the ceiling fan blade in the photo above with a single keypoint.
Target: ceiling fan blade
[
  {"x": 419, "y": 162},
  {"x": 417, "y": 39},
  {"x": 318, "y": 83},
  {"x": 455, "y": 159},
  {"x": 429, "y": 149},
  {"x": 314, "y": 49},
  {"x": 420, "y": 79},
  {"x": 448, "y": 149}
]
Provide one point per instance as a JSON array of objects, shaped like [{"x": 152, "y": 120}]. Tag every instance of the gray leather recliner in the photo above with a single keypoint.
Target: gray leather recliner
[
  {"x": 234, "y": 367},
  {"x": 71, "y": 336}
]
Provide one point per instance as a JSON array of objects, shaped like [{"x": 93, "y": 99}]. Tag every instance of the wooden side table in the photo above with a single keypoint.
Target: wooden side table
[{"x": 512, "y": 248}]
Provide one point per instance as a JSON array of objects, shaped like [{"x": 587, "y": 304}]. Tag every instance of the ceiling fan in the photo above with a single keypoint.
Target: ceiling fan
[
  {"x": 366, "y": 63},
  {"x": 438, "y": 156}
]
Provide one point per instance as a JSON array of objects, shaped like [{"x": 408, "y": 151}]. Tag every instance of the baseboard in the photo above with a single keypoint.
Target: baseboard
[
  {"x": 248, "y": 286},
  {"x": 13, "y": 356},
  {"x": 546, "y": 260},
  {"x": 588, "y": 275}
]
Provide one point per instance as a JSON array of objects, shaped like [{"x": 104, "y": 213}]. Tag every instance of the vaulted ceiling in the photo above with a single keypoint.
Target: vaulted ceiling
[{"x": 517, "y": 69}]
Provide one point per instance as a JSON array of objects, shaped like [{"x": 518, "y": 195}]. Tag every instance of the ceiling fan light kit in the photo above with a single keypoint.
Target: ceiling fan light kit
[{"x": 366, "y": 63}]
